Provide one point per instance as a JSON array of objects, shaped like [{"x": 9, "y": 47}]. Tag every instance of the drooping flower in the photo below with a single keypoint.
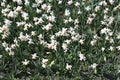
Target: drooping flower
[
  {"x": 25, "y": 62},
  {"x": 94, "y": 65},
  {"x": 44, "y": 62},
  {"x": 34, "y": 56},
  {"x": 67, "y": 12},
  {"x": 81, "y": 56},
  {"x": 68, "y": 67}
]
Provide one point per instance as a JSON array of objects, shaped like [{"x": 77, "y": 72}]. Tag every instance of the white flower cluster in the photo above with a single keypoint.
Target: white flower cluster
[{"x": 58, "y": 27}]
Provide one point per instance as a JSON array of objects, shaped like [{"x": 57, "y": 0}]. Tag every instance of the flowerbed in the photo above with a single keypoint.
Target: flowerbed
[{"x": 60, "y": 39}]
